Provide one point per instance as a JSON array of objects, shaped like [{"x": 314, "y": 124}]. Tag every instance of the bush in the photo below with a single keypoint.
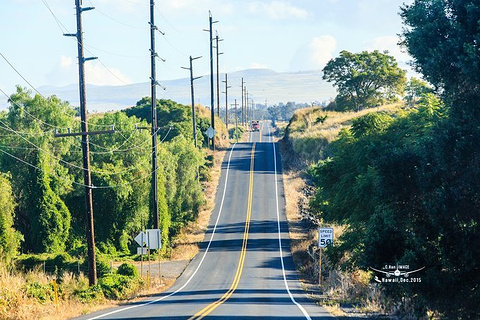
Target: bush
[
  {"x": 41, "y": 292},
  {"x": 128, "y": 269},
  {"x": 90, "y": 294},
  {"x": 235, "y": 133},
  {"x": 119, "y": 287}
]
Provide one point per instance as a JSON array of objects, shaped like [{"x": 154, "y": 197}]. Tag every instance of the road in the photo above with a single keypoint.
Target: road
[{"x": 244, "y": 269}]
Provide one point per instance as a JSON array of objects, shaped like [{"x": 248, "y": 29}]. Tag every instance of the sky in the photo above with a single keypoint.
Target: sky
[{"x": 282, "y": 35}]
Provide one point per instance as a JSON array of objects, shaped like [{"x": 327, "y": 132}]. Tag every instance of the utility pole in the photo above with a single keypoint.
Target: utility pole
[
  {"x": 90, "y": 230},
  {"x": 193, "y": 99},
  {"x": 153, "y": 86},
  {"x": 253, "y": 109},
  {"x": 236, "y": 123},
  {"x": 243, "y": 87},
  {"x": 212, "y": 107},
  {"x": 226, "y": 99},
  {"x": 218, "y": 74},
  {"x": 246, "y": 107}
]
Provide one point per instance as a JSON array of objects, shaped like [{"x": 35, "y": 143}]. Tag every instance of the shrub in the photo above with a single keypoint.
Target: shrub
[
  {"x": 90, "y": 294},
  {"x": 41, "y": 292},
  {"x": 119, "y": 287},
  {"x": 128, "y": 269}
]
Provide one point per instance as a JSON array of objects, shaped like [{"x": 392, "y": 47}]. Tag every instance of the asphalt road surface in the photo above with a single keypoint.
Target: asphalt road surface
[{"x": 244, "y": 269}]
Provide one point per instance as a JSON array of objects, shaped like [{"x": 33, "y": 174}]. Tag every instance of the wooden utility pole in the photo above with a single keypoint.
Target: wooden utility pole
[
  {"x": 218, "y": 73},
  {"x": 246, "y": 107},
  {"x": 236, "y": 117},
  {"x": 212, "y": 107},
  {"x": 226, "y": 99},
  {"x": 153, "y": 87},
  {"x": 193, "y": 98},
  {"x": 243, "y": 88},
  {"x": 87, "y": 179}
]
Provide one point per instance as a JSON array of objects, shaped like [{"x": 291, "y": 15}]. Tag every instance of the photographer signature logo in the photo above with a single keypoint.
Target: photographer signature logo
[{"x": 397, "y": 273}]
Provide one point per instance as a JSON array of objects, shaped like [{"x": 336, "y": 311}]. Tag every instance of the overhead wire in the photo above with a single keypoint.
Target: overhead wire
[
  {"x": 6, "y": 127},
  {"x": 81, "y": 184}
]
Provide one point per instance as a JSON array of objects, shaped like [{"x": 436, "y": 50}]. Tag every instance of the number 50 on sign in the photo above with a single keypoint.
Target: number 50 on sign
[{"x": 325, "y": 237}]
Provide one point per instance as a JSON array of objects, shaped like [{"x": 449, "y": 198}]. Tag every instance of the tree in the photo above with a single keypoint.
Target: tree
[
  {"x": 41, "y": 215},
  {"x": 415, "y": 89},
  {"x": 442, "y": 37},
  {"x": 9, "y": 238},
  {"x": 365, "y": 79}
]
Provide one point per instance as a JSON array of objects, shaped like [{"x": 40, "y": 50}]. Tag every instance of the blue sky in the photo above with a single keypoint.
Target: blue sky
[{"x": 278, "y": 34}]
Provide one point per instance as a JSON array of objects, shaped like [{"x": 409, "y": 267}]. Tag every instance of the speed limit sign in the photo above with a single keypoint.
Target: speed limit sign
[{"x": 325, "y": 237}]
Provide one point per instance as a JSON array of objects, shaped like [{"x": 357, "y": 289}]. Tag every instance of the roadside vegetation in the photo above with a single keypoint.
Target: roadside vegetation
[
  {"x": 42, "y": 223},
  {"x": 401, "y": 186}
]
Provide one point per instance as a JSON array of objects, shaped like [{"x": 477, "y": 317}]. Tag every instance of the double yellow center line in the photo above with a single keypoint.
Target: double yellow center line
[{"x": 208, "y": 309}]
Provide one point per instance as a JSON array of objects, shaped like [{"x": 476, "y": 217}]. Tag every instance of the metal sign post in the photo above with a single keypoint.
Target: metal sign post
[{"x": 325, "y": 239}]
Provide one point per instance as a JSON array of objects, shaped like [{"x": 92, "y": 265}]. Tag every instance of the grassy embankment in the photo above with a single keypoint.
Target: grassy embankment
[{"x": 306, "y": 141}]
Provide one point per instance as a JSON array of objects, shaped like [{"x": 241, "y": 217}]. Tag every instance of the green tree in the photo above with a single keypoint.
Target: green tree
[
  {"x": 9, "y": 238},
  {"x": 39, "y": 188},
  {"x": 365, "y": 79},
  {"x": 415, "y": 89}
]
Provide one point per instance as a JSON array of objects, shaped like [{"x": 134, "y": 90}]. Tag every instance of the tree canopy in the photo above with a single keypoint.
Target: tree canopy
[{"x": 364, "y": 79}]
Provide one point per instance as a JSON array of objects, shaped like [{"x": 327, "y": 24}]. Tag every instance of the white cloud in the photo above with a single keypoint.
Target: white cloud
[
  {"x": 66, "y": 72},
  {"x": 390, "y": 44},
  {"x": 315, "y": 54},
  {"x": 277, "y": 10},
  {"x": 96, "y": 73},
  {"x": 65, "y": 62}
]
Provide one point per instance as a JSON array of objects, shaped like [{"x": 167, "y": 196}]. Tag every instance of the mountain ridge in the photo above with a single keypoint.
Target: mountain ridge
[{"x": 262, "y": 85}]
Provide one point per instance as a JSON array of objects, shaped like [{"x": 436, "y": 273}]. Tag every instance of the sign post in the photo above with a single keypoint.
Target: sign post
[
  {"x": 141, "y": 239},
  {"x": 325, "y": 239}
]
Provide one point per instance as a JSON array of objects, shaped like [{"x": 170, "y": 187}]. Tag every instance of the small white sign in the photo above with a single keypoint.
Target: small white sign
[
  {"x": 154, "y": 238},
  {"x": 210, "y": 132},
  {"x": 325, "y": 237},
  {"x": 141, "y": 239}
]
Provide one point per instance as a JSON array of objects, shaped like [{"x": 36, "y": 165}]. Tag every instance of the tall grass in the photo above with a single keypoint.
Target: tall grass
[{"x": 311, "y": 130}]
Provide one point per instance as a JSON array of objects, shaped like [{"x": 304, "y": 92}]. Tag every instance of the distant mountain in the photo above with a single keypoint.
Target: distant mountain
[{"x": 262, "y": 84}]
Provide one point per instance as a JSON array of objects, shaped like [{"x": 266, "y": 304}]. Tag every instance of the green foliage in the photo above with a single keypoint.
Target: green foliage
[
  {"x": 365, "y": 79},
  {"x": 118, "y": 287},
  {"x": 90, "y": 294},
  {"x": 236, "y": 133},
  {"x": 415, "y": 89},
  {"x": 404, "y": 188},
  {"x": 372, "y": 123},
  {"x": 41, "y": 215},
  {"x": 42, "y": 292},
  {"x": 444, "y": 45},
  {"x": 51, "y": 222},
  {"x": 9, "y": 238},
  {"x": 46, "y": 196},
  {"x": 183, "y": 189},
  {"x": 172, "y": 118},
  {"x": 128, "y": 269}
]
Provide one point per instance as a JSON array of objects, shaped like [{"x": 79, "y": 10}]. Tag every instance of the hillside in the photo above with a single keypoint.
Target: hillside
[
  {"x": 311, "y": 130},
  {"x": 262, "y": 84}
]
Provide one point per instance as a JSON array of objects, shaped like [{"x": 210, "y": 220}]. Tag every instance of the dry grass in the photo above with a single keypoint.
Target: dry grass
[{"x": 312, "y": 129}]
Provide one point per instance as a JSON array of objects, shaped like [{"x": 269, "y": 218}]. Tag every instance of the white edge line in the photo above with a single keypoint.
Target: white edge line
[
  {"x": 201, "y": 261},
  {"x": 305, "y": 313}
]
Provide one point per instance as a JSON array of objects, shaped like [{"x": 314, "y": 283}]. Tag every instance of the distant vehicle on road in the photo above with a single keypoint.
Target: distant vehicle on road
[{"x": 255, "y": 125}]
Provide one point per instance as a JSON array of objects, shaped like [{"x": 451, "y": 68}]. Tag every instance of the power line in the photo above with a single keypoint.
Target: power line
[
  {"x": 35, "y": 89},
  {"x": 6, "y": 127}
]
